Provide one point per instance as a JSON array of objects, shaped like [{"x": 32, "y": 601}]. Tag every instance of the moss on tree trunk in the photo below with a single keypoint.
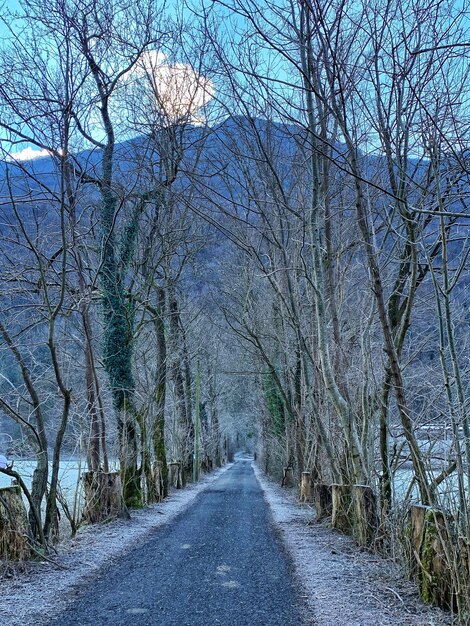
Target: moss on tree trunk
[
  {"x": 14, "y": 525},
  {"x": 438, "y": 558}
]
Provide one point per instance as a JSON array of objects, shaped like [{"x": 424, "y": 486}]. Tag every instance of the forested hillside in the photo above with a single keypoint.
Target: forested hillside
[{"x": 241, "y": 226}]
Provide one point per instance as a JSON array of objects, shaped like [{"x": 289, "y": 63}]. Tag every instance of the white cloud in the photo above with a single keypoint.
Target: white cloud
[
  {"x": 27, "y": 154},
  {"x": 172, "y": 92}
]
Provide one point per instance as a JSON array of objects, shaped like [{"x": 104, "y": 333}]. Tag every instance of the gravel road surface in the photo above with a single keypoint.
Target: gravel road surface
[{"x": 219, "y": 563}]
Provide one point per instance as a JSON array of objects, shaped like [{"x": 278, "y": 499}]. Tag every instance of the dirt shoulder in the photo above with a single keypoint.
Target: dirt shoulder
[
  {"x": 42, "y": 590},
  {"x": 342, "y": 584}
]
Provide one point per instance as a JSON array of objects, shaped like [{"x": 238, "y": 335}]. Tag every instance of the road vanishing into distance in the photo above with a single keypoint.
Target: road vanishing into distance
[{"x": 218, "y": 563}]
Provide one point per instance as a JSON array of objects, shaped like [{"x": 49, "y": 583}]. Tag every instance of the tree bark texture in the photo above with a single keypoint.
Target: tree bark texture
[
  {"x": 103, "y": 496},
  {"x": 14, "y": 525},
  {"x": 322, "y": 497}
]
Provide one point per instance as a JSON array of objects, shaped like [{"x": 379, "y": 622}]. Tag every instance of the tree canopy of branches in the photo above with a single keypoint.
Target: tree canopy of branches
[{"x": 249, "y": 224}]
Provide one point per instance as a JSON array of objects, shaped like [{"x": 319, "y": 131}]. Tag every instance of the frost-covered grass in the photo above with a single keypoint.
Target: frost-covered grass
[
  {"x": 343, "y": 585},
  {"x": 39, "y": 593}
]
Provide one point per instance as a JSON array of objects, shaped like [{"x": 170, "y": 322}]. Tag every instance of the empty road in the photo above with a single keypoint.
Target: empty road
[{"x": 219, "y": 563}]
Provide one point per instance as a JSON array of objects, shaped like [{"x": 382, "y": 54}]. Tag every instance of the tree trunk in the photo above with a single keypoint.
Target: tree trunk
[
  {"x": 159, "y": 448},
  {"x": 306, "y": 487},
  {"x": 92, "y": 405},
  {"x": 342, "y": 511},
  {"x": 288, "y": 477},
  {"x": 103, "y": 497},
  {"x": 431, "y": 544},
  {"x": 322, "y": 496},
  {"x": 14, "y": 525},
  {"x": 118, "y": 310},
  {"x": 147, "y": 484},
  {"x": 93, "y": 451},
  {"x": 175, "y": 475},
  {"x": 365, "y": 515},
  {"x": 51, "y": 521},
  {"x": 317, "y": 223},
  {"x": 128, "y": 457},
  {"x": 181, "y": 378},
  {"x": 38, "y": 490}
]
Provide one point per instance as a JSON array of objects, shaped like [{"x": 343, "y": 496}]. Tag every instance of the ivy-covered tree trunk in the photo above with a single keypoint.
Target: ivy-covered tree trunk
[
  {"x": 274, "y": 404},
  {"x": 118, "y": 319},
  {"x": 117, "y": 308}
]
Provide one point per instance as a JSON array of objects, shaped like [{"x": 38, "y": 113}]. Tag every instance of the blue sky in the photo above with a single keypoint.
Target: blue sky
[{"x": 11, "y": 5}]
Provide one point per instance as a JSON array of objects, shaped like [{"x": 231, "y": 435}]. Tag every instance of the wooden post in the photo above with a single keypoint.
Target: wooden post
[
  {"x": 431, "y": 545},
  {"x": 103, "y": 497},
  {"x": 156, "y": 489},
  {"x": 14, "y": 526},
  {"x": 175, "y": 476},
  {"x": 288, "y": 477},
  {"x": 342, "y": 513},
  {"x": 181, "y": 479},
  {"x": 417, "y": 516},
  {"x": 306, "y": 487},
  {"x": 365, "y": 520},
  {"x": 323, "y": 500}
]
